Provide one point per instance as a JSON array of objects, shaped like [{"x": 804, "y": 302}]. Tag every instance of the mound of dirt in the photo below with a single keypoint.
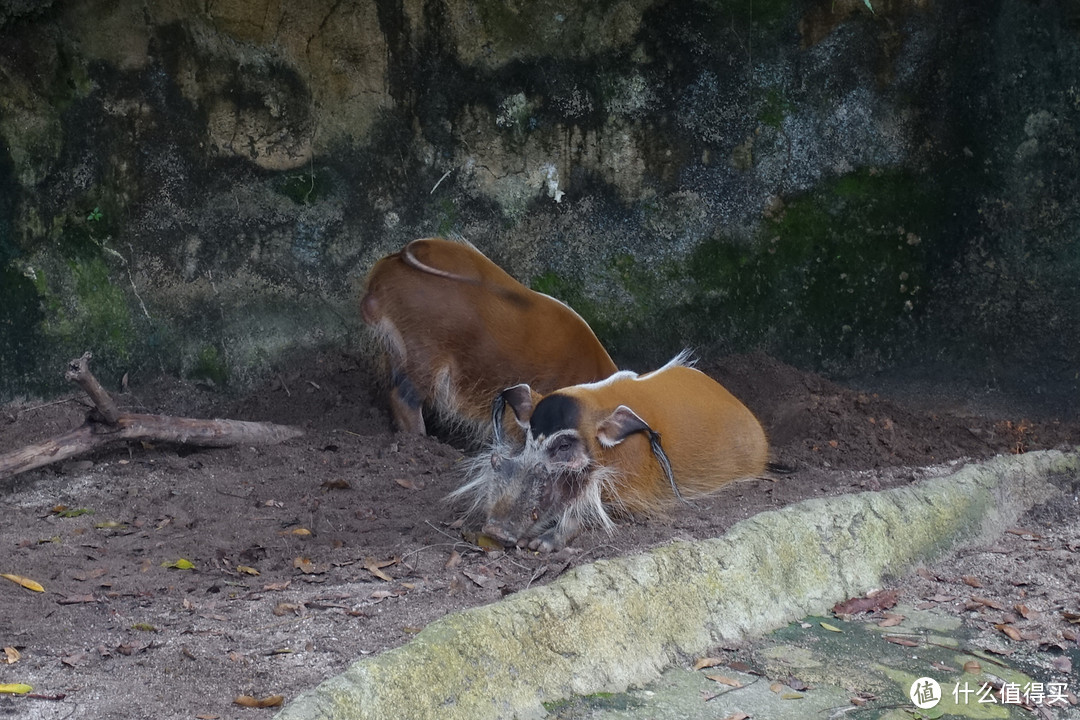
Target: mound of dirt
[{"x": 340, "y": 543}]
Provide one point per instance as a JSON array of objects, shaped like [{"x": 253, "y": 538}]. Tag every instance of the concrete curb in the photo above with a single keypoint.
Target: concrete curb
[{"x": 605, "y": 626}]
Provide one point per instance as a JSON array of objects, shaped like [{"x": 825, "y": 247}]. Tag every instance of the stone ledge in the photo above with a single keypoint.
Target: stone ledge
[{"x": 614, "y": 623}]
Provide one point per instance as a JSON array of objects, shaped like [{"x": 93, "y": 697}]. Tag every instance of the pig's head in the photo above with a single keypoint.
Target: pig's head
[{"x": 540, "y": 495}]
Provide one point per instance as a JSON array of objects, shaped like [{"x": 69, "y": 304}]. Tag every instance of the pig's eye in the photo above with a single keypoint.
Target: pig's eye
[{"x": 562, "y": 446}]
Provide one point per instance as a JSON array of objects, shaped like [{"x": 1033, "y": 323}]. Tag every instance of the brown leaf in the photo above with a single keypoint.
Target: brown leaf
[
  {"x": 90, "y": 574},
  {"x": 988, "y": 602},
  {"x": 737, "y": 716},
  {"x": 11, "y": 655},
  {"x": 376, "y": 570},
  {"x": 973, "y": 667},
  {"x": 891, "y": 620},
  {"x": 1072, "y": 617},
  {"x": 383, "y": 594},
  {"x": 277, "y": 585},
  {"x": 707, "y": 662},
  {"x": 1025, "y": 611},
  {"x": 483, "y": 577},
  {"x": 725, "y": 680},
  {"x": 76, "y": 599},
  {"x": 1008, "y": 630},
  {"x": 1062, "y": 663},
  {"x": 410, "y": 483},
  {"x": 337, "y": 484},
  {"x": 453, "y": 561},
  {"x": 266, "y": 702},
  {"x": 75, "y": 659},
  {"x": 286, "y": 608},
  {"x": 855, "y": 606},
  {"x": 972, "y": 581},
  {"x": 896, "y": 640}
]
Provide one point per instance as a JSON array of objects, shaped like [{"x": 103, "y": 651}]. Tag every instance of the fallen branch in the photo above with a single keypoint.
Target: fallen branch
[{"x": 106, "y": 424}]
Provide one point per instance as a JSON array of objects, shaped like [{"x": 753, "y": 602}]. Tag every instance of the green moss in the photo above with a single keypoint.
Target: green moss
[
  {"x": 210, "y": 365},
  {"x": 448, "y": 217},
  {"x": 580, "y": 707},
  {"x": 83, "y": 309},
  {"x": 840, "y": 272},
  {"x": 764, "y": 13},
  {"x": 305, "y": 188},
  {"x": 774, "y": 108}
]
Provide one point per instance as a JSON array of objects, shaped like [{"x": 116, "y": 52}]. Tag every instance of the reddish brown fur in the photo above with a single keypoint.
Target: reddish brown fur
[
  {"x": 588, "y": 450},
  {"x": 459, "y": 329},
  {"x": 709, "y": 437}
]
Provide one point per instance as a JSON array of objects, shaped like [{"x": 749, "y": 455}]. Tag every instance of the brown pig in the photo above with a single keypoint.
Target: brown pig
[
  {"x": 630, "y": 443},
  {"x": 457, "y": 330}
]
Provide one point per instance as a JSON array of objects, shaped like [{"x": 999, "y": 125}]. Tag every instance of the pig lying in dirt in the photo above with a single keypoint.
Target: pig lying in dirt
[{"x": 628, "y": 444}]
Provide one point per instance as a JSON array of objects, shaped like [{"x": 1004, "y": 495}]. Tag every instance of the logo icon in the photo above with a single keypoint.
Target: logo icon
[{"x": 925, "y": 693}]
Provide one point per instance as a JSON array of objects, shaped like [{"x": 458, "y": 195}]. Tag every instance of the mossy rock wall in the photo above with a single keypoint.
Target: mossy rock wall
[{"x": 200, "y": 188}]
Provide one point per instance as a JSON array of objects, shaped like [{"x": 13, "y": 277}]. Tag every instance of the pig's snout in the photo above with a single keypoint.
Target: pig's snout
[{"x": 500, "y": 532}]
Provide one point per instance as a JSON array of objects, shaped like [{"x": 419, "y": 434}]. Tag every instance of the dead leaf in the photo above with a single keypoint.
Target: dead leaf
[
  {"x": 737, "y": 716},
  {"x": 897, "y": 640},
  {"x": 382, "y": 594},
  {"x": 725, "y": 680},
  {"x": 1072, "y": 617},
  {"x": 25, "y": 582},
  {"x": 375, "y": 567},
  {"x": 707, "y": 662},
  {"x": 988, "y": 602},
  {"x": 285, "y": 608},
  {"x": 410, "y": 483},
  {"x": 973, "y": 667},
  {"x": 854, "y": 606},
  {"x": 266, "y": 702},
  {"x": 307, "y": 567},
  {"x": 11, "y": 655},
  {"x": 483, "y": 577},
  {"x": 1062, "y": 663},
  {"x": 247, "y": 570},
  {"x": 298, "y": 532},
  {"x": 831, "y": 628},
  {"x": 453, "y": 561},
  {"x": 75, "y": 659},
  {"x": 1010, "y": 631},
  {"x": 277, "y": 586},
  {"x": 972, "y": 581},
  {"x": 891, "y": 620},
  {"x": 337, "y": 484},
  {"x": 90, "y": 574}
]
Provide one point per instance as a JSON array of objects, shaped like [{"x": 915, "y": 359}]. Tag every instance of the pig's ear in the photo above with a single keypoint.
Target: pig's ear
[
  {"x": 521, "y": 399},
  {"x": 619, "y": 425}
]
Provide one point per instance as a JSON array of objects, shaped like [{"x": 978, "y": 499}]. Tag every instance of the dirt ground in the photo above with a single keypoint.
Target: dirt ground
[{"x": 339, "y": 544}]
